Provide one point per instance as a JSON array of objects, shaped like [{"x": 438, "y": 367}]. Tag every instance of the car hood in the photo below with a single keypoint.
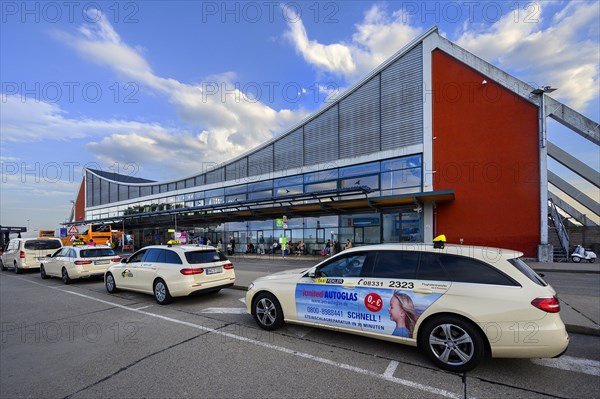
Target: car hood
[{"x": 283, "y": 274}]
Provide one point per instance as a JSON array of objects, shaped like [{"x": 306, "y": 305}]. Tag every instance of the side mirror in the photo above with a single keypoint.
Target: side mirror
[
  {"x": 48, "y": 255},
  {"x": 311, "y": 273},
  {"x": 123, "y": 260}
]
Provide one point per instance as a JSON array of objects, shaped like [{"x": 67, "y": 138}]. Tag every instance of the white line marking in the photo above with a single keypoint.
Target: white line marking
[
  {"x": 391, "y": 369},
  {"x": 570, "y": 363},
  {"x": 343, "y": 366},
  {"x": 144, "y": 307},
  {"x": 224, "y": 310}
]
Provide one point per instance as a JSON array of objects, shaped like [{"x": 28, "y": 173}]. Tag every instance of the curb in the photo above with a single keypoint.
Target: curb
[
  {"x": 575, "y": 329},
  {"x": 566, "y": 271}
]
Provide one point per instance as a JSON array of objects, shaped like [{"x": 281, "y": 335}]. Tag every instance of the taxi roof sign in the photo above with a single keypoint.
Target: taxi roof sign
[{"x": 438, "y": 242}]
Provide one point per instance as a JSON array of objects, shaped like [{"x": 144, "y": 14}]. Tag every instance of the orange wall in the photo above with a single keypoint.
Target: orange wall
[
  {"x": 485, "y": 148},
  {"x": 80, "y": 202}
]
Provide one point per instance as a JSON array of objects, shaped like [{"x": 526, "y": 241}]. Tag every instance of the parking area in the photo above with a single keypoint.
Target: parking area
[{"x": 78, "y": 341}]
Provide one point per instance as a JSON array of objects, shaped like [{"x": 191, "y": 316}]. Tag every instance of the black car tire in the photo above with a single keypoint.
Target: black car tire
[
  {"x": 161, "y": 292},
  {"x": 2, "y": 266},
  {"x": 267, "y": 311},
  {"x": 43, "y": 274},
  {"x": 111, "y": 285},
  {"x": 65, "y": 276},
  {"x": 452, "y": 343},
  {"x": 17, "y": 270}
]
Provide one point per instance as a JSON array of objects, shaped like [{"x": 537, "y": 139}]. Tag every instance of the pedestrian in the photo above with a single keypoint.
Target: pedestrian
[
  {"x": 92, "y": 243},
  {"x": 348, "y": 244},
  {"x": 232, "y": 243}
]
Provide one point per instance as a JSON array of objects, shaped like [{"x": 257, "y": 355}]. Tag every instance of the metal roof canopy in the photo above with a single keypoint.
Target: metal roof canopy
[{"x": 308, "y": 204}]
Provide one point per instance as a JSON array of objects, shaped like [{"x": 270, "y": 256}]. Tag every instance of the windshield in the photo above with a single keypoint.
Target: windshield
[
  {"x": 527, "y": 271},
  {"x": 197, "y": 257},
  {"x": 94, "y": 253},
  {"x": 42, "y": 244}
]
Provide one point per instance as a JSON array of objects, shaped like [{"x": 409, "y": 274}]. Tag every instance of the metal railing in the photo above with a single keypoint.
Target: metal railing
[{"x": 563, "y": 236}]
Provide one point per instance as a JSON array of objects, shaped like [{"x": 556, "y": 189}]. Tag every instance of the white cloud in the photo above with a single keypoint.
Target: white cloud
[
  {"x": 564, "y": 54},
  {"x": 230, "y": 123},
  {"x": 31, "y": 121},
  {"x": 376, "y": 39}
]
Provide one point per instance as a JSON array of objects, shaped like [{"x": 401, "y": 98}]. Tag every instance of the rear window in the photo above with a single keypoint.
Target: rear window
[
  {"x": 527, "y": 271},
  {"x": 94, "y": 253},
  {"x": 42, "y": 244},
  {"x": 197, "y": 257}
]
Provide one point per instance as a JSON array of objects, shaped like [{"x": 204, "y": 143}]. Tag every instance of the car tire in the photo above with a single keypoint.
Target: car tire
[
  {"x": 592, "y": 260},
  {"x": 111, "y": 285},
  {"x": 267, "y": 311},
  {"x": 2, "y": 266},
  {"x": 161, "y": 292},
  {"x": 43, "y": 274},
  {"x": 575, "y": 259},
  {"x": 17, "y": 270},
  {"x": 65, "y": 276},
  {"x": 452, "y": 343}
]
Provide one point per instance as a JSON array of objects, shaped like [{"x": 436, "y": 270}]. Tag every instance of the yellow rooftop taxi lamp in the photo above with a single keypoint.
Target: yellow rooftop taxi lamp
[
  {"x": 173, "y": 242},
  {"x": 439, "y": 241}
]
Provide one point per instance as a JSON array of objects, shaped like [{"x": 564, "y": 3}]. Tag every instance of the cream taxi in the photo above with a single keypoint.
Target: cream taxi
[
  {"x": 458, "y": 304},
  {"x": 168, "y": 271},
  {"x": 75, "y": 262}
]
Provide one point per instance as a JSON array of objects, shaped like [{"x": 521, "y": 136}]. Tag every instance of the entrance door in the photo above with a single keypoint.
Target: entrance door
[{"x": 403, "y": 226}]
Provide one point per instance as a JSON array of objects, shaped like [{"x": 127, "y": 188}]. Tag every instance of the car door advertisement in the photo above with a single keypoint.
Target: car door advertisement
[{"x": 394, "y": 310}]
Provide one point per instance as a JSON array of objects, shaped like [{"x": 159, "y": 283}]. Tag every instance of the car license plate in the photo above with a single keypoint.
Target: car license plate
[
  {"x": 101, "y": 262},
  {"x": 214, "y": 270}
]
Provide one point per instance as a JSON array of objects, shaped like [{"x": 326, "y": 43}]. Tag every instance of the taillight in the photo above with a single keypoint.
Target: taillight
[
  {"x": 228, "y": 266},
  {"x": 22, "y": 254},
  {"x": 116, "y": 259},
  {"x": 83, "y": 262},
  {"x": 192, "y": 270},
  {"x": 547, "y": 304}
]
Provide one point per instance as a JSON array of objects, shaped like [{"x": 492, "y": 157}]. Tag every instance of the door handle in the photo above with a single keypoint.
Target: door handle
[{"x": 349, "y": 286}]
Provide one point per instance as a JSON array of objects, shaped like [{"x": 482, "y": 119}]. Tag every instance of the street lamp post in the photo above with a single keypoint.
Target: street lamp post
[{"x": 544, "y": 252}]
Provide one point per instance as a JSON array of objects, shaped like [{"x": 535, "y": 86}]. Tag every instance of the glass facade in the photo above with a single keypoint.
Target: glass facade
[{"x": 386, "y": 178}]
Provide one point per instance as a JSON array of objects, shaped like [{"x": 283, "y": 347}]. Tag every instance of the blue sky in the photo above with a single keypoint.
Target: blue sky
[{"x": 154, "y": 89}]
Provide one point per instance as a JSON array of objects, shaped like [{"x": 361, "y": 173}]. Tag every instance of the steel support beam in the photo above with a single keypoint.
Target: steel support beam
[
  {"x": 574, "y": 213},
  {"x": 572, "y": 119},
  {"x": 574, "y": 193},
  {"x": 574, "y": 164}
]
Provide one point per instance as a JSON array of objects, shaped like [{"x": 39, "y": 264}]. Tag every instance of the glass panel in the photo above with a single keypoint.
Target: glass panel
[
  {"x": 260, "y": 195},
  {"x": 311, "y": 188},
  {"x": 215, "y": 201},
  {"x": 324, "y": 175},
  {"x": 260, "y": 186},
  {"x": 199, "y": 195},
  {"x": 215, "y": 193},
  {"x": 235, "y": 189},
  {"x": 260, "y": 225},
  {"x": 359, "y": 170},
  {"x": 290, "y": 190},
  {"x": 370, "y": 181},
  {"x": 288, "y": 181},
  {"x": 235, "y": 198},
  {"x": 401, "y": 163},
  {"x": 401, "y": 179}
]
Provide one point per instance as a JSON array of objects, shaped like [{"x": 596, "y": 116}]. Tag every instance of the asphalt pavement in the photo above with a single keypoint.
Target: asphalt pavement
[{"x": 580, "y": 312}]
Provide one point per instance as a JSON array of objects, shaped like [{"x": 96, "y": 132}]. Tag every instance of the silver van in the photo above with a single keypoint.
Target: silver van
[{"x": 27, "y": 253}]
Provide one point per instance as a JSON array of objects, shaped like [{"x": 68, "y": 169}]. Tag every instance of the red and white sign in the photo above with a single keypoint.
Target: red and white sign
[
  {"x": 73, "y": 238},
  {"x": 73, "y": 230}
]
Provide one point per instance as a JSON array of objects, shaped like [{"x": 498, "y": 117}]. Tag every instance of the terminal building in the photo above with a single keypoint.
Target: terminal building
[{"x": 433, "y": 141}]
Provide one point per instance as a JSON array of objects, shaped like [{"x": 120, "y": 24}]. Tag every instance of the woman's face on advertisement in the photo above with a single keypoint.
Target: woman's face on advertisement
[{"x": 396, "y": 311}]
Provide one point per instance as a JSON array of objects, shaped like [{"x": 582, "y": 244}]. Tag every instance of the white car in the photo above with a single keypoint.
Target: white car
[
  {"x": 456, "y": 303},
  {"x": 27, "y": 253},
  {"x": 168, "y": 271},
  {"x": 75, "y": 262}
]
